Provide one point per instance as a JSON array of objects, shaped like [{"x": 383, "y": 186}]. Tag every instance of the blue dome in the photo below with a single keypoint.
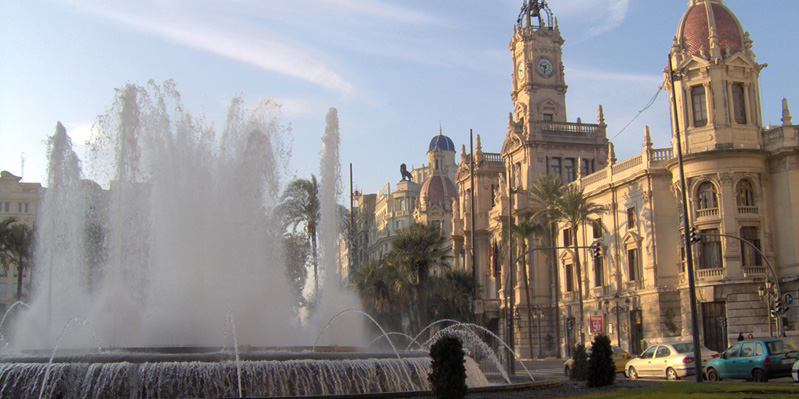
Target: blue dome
[{"x": 443, "y": 143}]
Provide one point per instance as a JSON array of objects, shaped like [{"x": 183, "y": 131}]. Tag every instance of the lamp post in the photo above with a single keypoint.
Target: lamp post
[
  {"x": 618, "y": 309},
  {"x": 766, "y": 291},
  {"x": 538, "y": 314}
]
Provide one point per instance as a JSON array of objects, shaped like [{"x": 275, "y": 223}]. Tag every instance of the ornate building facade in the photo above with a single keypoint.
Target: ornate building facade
[
  {"x": 742, "y": 185},
  {"x": 18, "y": 200}
]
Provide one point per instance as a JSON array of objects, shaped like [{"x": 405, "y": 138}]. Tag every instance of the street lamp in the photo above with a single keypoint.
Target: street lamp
[
  {"x": 538, "y": 314},
  {"x": 618, "y": 309},
  {"x": 766, "y": 291}
]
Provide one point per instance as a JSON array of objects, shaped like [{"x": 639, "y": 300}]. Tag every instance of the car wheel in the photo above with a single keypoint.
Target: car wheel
[
  {"x": 758, "y": 375},
  {"x": 713, "y": 375},
  {"x": 671, "y": 375},
  {"x": 632, "y": 374}
]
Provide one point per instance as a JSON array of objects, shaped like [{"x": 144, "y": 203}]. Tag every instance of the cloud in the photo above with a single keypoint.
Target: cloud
[
  {"x": 604, "y": 15},
  {"x": 222, "y": 38},
  {"x": 380, "y": 10}
]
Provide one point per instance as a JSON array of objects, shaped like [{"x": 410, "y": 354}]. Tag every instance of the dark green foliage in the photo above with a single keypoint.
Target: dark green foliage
[
  {"x": 601, "y": 369},
  {"x": 580, "y": 367},
  {"x": 448, "y": 372}
]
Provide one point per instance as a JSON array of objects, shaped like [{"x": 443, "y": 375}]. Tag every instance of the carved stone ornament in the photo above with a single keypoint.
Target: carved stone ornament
[{"x": 726, "y": 178}]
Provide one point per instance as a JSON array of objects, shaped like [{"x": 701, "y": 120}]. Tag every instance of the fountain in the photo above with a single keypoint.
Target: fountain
[{"x": 183, "y": 253}]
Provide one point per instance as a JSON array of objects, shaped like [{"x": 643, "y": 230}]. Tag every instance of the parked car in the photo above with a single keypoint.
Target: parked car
[
  {"x": 620, "y": 359},
  {"x": 754, "y": 359},
  {"x": 795, "y": 371},
  {"x": 672, "y": 361}
]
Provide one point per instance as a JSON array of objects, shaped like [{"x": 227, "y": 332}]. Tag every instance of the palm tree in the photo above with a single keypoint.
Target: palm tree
[
  {"x": 383, "y": 291},
  {"x": 544, "y": 192},
  {"x": 450, "y": 294},
  {"x": 575, "y": 209},
  {"x": 416, "y": 252},
  {"x": 15, "y": 249},
  {"x": 300, "y": 206}
]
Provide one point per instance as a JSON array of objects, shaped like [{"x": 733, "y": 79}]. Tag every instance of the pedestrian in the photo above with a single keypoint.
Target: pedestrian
[
  {"x": 741, "y": 336},
  {"x": 750, "y": 336}
]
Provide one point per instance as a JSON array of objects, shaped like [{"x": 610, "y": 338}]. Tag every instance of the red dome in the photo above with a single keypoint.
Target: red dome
[
  {"x": 438, "y": 190},
  {"x": 694, "y": 31}
]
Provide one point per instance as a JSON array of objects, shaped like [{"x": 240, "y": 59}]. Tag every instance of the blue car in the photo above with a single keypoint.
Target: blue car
[{"x": 754, "y": 359}]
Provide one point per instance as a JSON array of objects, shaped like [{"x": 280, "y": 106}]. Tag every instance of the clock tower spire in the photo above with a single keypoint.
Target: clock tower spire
[{"x": 539, "y": 88}]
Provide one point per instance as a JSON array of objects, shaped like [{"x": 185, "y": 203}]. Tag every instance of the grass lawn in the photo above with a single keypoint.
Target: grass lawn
[{"x": 693, "y": 390}]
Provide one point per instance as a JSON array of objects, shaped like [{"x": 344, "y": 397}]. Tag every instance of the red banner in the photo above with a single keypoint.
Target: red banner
[{"x": 596, "y": 324}]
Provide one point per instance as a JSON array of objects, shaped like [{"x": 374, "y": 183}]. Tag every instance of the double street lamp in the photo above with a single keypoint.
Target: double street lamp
[{"x": 618, "y": 310}]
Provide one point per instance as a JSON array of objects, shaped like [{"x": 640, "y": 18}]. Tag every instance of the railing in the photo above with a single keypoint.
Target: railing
[
  {"x": 754, "y": 271},
  {"x": 663, "y": 154},
  {"x": 774, "y": 135},
  {"x": 635, "y": 285},
  {"x": 493, "y": 157},
  {"x": 708, "y": 212},
  {"x": 714, "y": 273},
  {"x": 752, "y": 210},
  {"x": 594, "y": 177},
  {"x": 569, "y": 127},
  {"x": 629, "y": 163}
]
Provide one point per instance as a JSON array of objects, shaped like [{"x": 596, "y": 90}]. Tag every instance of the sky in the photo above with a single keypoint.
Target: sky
[{"x": 396, "y": 71}]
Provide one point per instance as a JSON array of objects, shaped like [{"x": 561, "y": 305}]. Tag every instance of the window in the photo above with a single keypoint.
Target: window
[
  {"x": 569, "y": 278},
  {"x": 733, "y": 351},
  {"x": 26, "y": 207},
  {"x": 748, "y": 349},
  {"x": 649, "y": 352},
  {"x": 663, "y": 351},
  {"x": 5, "y": 208},
  {"x": 738, "y": 108},
  {"x": 707, "y": 196},
  {"x": 554, "y": 166},
  {"x": 758, "y": 349},
  {"x": 631, "y": 218},
  {"x": 699, "y": 103},
  {"x": 19, "y": 207},
  {"x": 599, "y": 272},
  {"x": 568, "y": 169},
  {"x": 744, "y": 194},
  {"x": 750, "y": 257},
  {"x": 632, "y": 264},
  {"x": 710, "y": 250},
  {"x": 567, "y": 237},
  {"x": 597, "y": 227},
  {"x": 585, "y": 169},
  {"x": 548, "y": 117}
]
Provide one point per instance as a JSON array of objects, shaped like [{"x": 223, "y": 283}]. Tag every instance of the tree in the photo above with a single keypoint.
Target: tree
[
  {"x": 575, "y": 209},
  {"x": 300, "y": 207},
  {"x": 416, "y": 252},
  {"x": 447, "y": 371},
  {"x": 544, "y": 192},
  {"x": 521, "y": 232},
  {"x": 450, "y": 293},
  {"x": 383, "y": 292},
  {"x": 601, "y": 369},
  {"x": 580, "y": 366},
  {"x": 16, "y": 240},
  {"x": 297, "y": 253}
]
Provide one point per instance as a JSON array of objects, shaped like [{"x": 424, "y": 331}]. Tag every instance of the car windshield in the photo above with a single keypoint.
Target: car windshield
[{"x": 782, "y": 346}]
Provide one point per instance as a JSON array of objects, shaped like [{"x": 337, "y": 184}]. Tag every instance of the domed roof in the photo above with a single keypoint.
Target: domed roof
[
  {"x": 438, "y": 190},
  {"x": 695, "y": 27},
  {"x": 442, "y": 142}
]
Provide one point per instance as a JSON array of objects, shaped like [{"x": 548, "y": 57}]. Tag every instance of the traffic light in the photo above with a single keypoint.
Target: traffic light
[
  {"x": 569, "y": 324},
  {"x": 596, "y": 250},
  {"x": 694, "y": 235},
  {"x": 778, "y": 308}
]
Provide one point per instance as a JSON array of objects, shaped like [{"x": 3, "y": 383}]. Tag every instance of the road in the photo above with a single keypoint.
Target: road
[{"x": 552, "y": 369}]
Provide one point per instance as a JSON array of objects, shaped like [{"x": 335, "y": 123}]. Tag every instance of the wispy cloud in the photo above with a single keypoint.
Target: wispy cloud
[
  {"x": 380, "y": 9},
  {"x": 223, "y": 39},
  {"x": 603, "y": 15}
]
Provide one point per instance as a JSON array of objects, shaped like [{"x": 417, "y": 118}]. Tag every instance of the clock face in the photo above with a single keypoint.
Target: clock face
[
  {"x": 520, "y": 71},
  {"x": 544, "y": 67}
]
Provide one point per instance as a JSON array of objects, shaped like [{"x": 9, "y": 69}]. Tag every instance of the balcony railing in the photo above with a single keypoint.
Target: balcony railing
[
  {"x": 710, "y": 274},
  {"x": 754, "y": 271},
  {"x": 747, "y": 210},
  {"x": 709, "y": 212}
]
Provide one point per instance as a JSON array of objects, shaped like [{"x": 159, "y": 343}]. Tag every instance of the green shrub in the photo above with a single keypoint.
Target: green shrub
[
  {"x": 601, "y": 369},
  {"x": 580, "y": 365},
  {"x": 448, "y": 372}
]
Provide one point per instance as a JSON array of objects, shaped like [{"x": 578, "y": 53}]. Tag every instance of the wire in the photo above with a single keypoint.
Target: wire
[{"x": 649, "y": 104}]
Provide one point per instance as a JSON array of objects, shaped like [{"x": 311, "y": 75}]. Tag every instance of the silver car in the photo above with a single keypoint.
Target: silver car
[{"x": 672, "y": 361}]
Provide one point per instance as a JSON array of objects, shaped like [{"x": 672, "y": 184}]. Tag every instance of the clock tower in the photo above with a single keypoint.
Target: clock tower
[{"x": 539, "y": 87}]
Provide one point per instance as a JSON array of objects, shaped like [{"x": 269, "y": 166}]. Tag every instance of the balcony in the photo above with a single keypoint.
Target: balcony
[
  {"x": 716, "y": 273},
  {"x": 706, "y": 213},
  {"x": 755, "y": 271},
  {"x": 747, "y": 210}
]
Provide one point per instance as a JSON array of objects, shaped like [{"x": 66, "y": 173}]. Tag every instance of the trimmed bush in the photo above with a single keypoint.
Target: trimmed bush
[
  {"x": 448, "y": 372},
  {"x": 580, "y": 366},
  {"x": 601, "y": 369}
]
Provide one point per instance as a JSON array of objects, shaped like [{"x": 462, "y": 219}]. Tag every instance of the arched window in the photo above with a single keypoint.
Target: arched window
[
  {"x": 707, "y": 196},
  {"x": 744, "y": 194}
]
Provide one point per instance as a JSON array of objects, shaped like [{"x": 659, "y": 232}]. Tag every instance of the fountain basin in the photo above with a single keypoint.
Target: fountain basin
[{"x": 143, "y": 374}]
